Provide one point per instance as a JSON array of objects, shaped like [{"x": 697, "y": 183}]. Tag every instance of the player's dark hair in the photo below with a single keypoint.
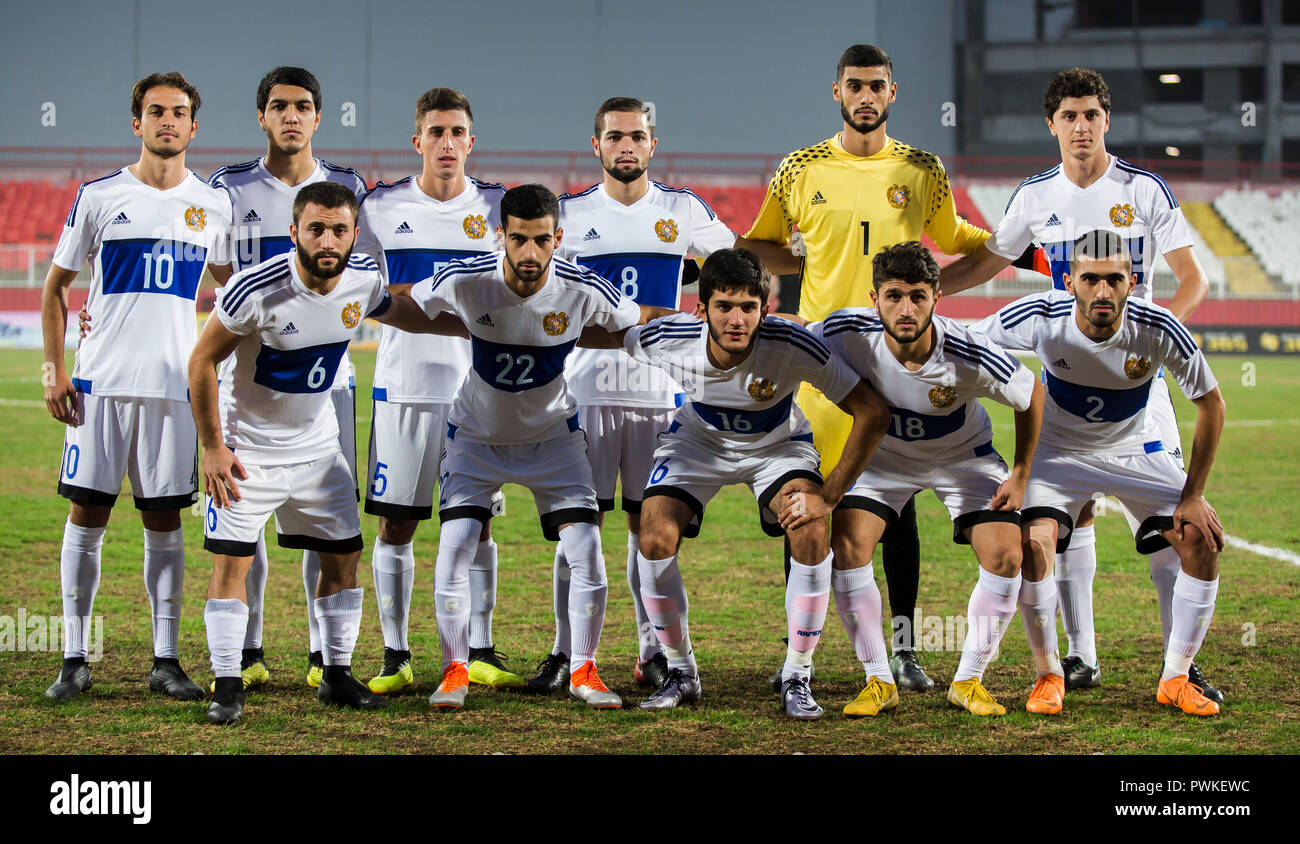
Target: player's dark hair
[
  {"x": 863, "y": 55},
  {"x": 296, "y": 76},
  {"x": 163, "y": 80},
  {"x": 910, "y": 263},
  {"x": 441, "y": 99},
  {"x": 1100, "y": 245},
  {"x": 326, "y": 195},
  {"x": 733, "y": 270},
  {"x": 1075, "y": 82},
  {"x": 529, "y": 202},
  {"x": 628, "y": 104}
]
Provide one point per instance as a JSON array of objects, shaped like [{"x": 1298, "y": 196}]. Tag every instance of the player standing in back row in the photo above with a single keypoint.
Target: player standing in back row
[
  {"x": 635, "y": 232},
  {"x": 148, "y": 230}
]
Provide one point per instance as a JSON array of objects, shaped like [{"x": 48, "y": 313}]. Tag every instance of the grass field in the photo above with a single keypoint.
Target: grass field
[{"x": 734, "y": 580}]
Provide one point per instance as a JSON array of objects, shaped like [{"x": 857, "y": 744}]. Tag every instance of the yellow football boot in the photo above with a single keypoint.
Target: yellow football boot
[
  {"x": 877, "y": 697},
  {"x": 486, "y": 669},
  {"x": 397, "y": 674},
  {"x": 971, "y": 696}
]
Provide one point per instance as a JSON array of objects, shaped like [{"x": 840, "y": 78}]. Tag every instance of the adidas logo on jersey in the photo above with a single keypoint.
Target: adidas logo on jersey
[
  {"x": 289, "y": 329},
  {"x": 121, "y": 219},
  {"x": 818, "y": 199},
  {"x": 251, "y": 217},
  {"x": 404, "y": 228},
  {"x": 486, "y": 319},
  {"x": 1060, "y": 364},
  {"x": 591, "y": 235},
  {"x": 1053, "y": 220}
]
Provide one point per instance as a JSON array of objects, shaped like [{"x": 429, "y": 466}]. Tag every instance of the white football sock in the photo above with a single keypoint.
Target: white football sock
[
  {"x": 79, "y": 580},
  {"x": 457, "y": 545},
  {"x": 255, "y": 589},
  {"x": 588, "y": 590},
  {"x": 1038, "y": 612},
  {"x": 393, "y": 568},
  {"x": 310, "y": 579},
  {"x": 663, "y": 594},
  {"x": 339, "y": 616},
  {"x": 560, "y": 600},
  {"x": 991, "y": 606},
  {"x": 857, "y": 599},
  {"x": 807, "y": 592},
  {"x": 1075, "y": 570},
  {"x": 225, "y": 620},
  {"x": 1165, "y": 566},
  {"x": 164, "y": 582},
  {"x": 483, "y": 594},
  {"x": 647, "y": 644},
  {"x": 1193, "y": 608}
]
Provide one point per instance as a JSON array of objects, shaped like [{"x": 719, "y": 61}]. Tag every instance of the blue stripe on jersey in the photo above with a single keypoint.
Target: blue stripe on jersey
[
  {"x": 464, "y": 266},
  {"x": 735, "y": 421},
  {"x": 407, "y": 266},
  {"x": 1141, "y": 312},
  {"x": 655, "y": 333},
  {"x": 306, "y": 370},
  {"x": 650, "y": 278},
  {"x": 362, "y": 262},
  {"x": 1097, "y": 404},
  {"x": 779, "y": 329},
  {"x": 514, "y": 368},
  {"x": 688, "y": 192},
  {"x": 482, "y": 185},
  {"x": 385, "y": 186},
  {"x": 858, "y": 323},
  {"x": 252, "y": 251},
  {"x": 145, "y": 265},
  {"x": 909, "y": 425},
  {"x": 1016, "y": 314},
  {"x": 239, "y": 290},
  {"x": 565, "y": 196},
  {"x": 589, "y": 278},
  {"x": 359, "y": 188},
  {"x": 72, "y": 215},
  {"x": 82, "y": 386},
  {"x": 215, "y": 179},
  {"x": 1034, "y": 179},
  {"x": 1164, "y": 188},
  {"x": 383, "y": 306},
  {"x": 1002, "y": 366}
]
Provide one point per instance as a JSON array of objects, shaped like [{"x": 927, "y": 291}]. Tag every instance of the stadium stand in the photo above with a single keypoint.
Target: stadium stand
[{"x": 1266, "y": 224}]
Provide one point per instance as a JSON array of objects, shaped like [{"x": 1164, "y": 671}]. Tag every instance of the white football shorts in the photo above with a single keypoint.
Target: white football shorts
[{"x": 622, "y": 441}]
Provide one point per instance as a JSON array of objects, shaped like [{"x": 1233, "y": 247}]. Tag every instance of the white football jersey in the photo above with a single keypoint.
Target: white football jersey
[
  {"x": 638, "y": 247},
  {"x": 412, "y": 236},
  {"x": 1097, "y": 392},
  {"x": 264, "y": 206},
  {"x": 1134, "y": 203},
  {"x": 147, "y": 249},
  {"x": 275, "y": 404},
  {"x": 936, "y": 417},
  {"x": 751, "y": 405},
  {"x": 515, "y": 391}
]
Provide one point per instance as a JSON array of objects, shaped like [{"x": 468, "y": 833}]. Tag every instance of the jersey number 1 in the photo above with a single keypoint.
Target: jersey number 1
[{"x": 866, "y": 237}]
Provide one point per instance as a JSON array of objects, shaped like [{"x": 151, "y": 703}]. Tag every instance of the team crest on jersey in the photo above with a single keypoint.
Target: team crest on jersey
[
  {"x": 898, "y": 196},
  {"x": 475, "y": 226},
  {"x": 942, "y": 396},
  {"x": 667, "y": 230},
  {"x": 1135, "y": 367},
  {"x": 195, "y": 218},
  {"x": 351, "y": 315},
  {"x": 555, "y": 323},
  {"x": 1121, "y": 215},
  {"x": 761, "y": 389}
]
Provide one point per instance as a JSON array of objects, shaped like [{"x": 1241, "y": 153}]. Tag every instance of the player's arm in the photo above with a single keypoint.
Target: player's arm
[
  {"x": 61, "y": 399},
  {"x": 1193, "y": 286},
  {"x": 777, "y": 258},
  {"x": 404, "y": 314},
  {"x": 597, "y": 337},
  {"x": 971, "y": 270},
  {"x": 1193, "y": 509},
  {"x": 1011, "y": 494},
  {"x": 219, "y": 466}
]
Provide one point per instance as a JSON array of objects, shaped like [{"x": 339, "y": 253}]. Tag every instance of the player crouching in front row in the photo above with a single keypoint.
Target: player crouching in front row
[
  {"x": 288, "y": 321},
  {"x": 1100, "y": 351},
  {"x": 930, "y": 370},
  {"x": 739, "y": 369}
]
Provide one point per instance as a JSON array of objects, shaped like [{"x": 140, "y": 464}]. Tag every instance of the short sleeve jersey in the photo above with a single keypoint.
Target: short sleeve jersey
[
  {"x": 515, "y": 391},
  {"x": 1097, "y": 392},
  {"x": 412, "y": 236},
  {"x": 147, "y": 249},
  {"x": 751, "y": 405},
  {"x": 275, "y": 404},
  {"x": 849, "y": 207},
  {"x": 936, "y": 415},
  {"x": 638, "y": 247},
  {"x": 1134, "y": 203}
]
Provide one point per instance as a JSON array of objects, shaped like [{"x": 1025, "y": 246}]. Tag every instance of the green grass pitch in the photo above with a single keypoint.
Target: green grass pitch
[{"x": 733, "y": 577}]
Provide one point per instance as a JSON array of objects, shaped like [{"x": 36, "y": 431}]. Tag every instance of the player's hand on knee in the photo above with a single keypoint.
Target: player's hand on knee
[
  {"x": 1198, "y": 513},
  {"x": 1010, "y": 495},
  {"x": 800, "y": 508},
  {"x": 83, "y": 321},
  {"x": 63, "y": 401},
  {"x": 220, "y": 470}
]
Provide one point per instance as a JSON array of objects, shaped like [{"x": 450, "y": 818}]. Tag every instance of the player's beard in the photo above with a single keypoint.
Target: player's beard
[
  {"x": 1100, "y": 320},
  {"x": 163, "y": 151},
  {"x": 531, "y": 276},
  {"x": 625, "y": 176},
  {"x": 717, "y": 338},
  {"x": 921, "y": 329},
  {"x": 312, "y": 265},
  {"x": 865, "y": 127}
]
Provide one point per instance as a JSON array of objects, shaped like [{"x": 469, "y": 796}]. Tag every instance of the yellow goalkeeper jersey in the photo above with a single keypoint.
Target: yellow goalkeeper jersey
[{"x": 849, "y": 207}]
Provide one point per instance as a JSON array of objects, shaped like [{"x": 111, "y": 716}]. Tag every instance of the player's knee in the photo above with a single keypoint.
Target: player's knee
[
  {"x": 164, "y": 521},
  {"x": 1198, "y": 558},
  {"x": 658, "y": 539},
  {"x": 809, "y": 544},
  {"x": 397, "y": 531},
  {"x": 1003, "y": 560},
  {"x": 89, "y": 515}
]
